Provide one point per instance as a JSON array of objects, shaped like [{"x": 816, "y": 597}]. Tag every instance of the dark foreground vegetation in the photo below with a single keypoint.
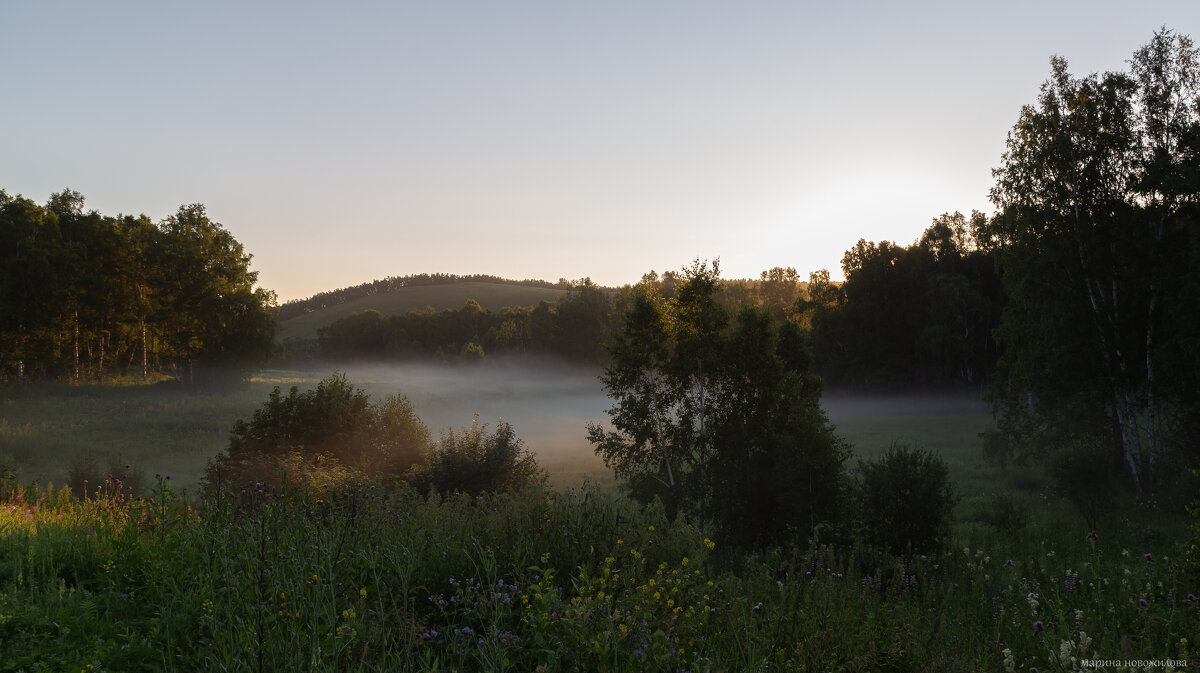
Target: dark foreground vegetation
[{"x": 373, "y": 579}]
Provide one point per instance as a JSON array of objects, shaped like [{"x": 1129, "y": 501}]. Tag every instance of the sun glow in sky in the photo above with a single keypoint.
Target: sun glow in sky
[{"x": 344, "y": 143}]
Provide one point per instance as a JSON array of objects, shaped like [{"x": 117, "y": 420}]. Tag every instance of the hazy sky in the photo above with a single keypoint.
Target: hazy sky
[{"x": 343, "y": 142}]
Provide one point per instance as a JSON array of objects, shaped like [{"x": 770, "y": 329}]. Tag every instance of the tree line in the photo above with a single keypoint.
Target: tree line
[
  {"x": 573, "y": 327},
  {"x": 916, "y": 316},
  {"x": 1075, "y": 306},
  {"x": 322, "y": 300},
  {"x": 86, "y": 296}
]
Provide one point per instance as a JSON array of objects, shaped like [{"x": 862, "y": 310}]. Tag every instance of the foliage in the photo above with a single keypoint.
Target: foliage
[
  {"x": 1083, "y": 474},
  {"x": 574, "y": 581},
  {"x": 1098, "y": 193},
  {"x": 473, "y": 461},
  {"x": 716, "y": 419},
  {"x": 1004, "y": 513},
  {"x": 322, "y": 300},
  {"x": 336, "y": 422},
  {"x": 573, "y": 327},
  {"x": 906, "y": 501},
  {"x": 915, "y": 316},
  {"x": 86, "y": 296}
]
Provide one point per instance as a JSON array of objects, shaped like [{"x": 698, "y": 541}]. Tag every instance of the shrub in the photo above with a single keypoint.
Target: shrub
[
  {"x": 333, "y": 426},
  {"x": 473, "y": 461},
  {"x": 10, "y": 482},
  {"x": 905, "y": 500},
  {"x": 1084, "y": 474},
  {"x": 1004, "y": 513}
]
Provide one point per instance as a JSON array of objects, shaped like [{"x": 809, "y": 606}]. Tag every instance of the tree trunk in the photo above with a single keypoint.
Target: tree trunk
[
  {"x": 144, "y": 363},
  {"x": 75, "y": 364},
  {"x": 100, "y": 367}
]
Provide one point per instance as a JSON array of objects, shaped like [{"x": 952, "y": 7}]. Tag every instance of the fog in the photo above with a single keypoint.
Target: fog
[{"x": 550, "y": 404}]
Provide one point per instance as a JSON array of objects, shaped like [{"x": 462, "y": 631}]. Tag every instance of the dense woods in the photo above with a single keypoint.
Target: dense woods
[{"x": 85, "y": 296}]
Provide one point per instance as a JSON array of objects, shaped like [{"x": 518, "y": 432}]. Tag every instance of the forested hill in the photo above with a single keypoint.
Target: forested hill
[
  {"x": 489, "y": 295},
  {"x": 343, "y": 295}
]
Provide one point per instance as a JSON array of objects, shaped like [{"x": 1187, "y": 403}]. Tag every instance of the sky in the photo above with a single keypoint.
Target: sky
[{"x": 346, "y": 142}]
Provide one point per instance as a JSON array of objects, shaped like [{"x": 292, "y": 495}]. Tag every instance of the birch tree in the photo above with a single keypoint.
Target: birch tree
[{"x": 1094, "y": 187}]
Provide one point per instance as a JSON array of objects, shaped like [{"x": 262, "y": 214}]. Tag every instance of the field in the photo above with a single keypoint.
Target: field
[
  {"x": 572, "y": 578},
  {"x": 491, "y": 296},
  {"x": 163, "y": 430}
]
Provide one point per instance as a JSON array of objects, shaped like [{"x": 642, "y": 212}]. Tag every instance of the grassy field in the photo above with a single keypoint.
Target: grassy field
[
  {"x": 571, "y": 579},
  {"x": 491, "y": 296},
  {"x": 47, "y": 428}
]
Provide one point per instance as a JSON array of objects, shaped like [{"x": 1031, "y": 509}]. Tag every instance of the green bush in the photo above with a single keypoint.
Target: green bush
[
  {"x": 1004, "y": 513},
  {"x": 473, "y": 461},
  {"x": 334, "y": 427},
  {"x": 905, "y": 501},
  {"x": 1084, "y": 474}
]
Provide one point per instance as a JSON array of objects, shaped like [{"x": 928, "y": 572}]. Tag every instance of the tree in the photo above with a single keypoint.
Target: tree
[
  {"x": 212, "y": 313},
  {"x": 30, "y": 266},
  {"x": 711, "y": 416},
  {"x": 582, "y": 320},
  {"x": 1098, "y": 190},
  {"x": 777, "y": 290}
]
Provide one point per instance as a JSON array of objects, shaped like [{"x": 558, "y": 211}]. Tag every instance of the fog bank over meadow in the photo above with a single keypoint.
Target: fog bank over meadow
[{"x": 549, "y": 404}]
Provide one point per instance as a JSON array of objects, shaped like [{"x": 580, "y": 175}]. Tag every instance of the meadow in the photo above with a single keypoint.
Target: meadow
[{"x": 567, "y": 577}]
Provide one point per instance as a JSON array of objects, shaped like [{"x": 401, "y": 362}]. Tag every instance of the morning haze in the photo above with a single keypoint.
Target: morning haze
[{"x": 700, "y": 337}]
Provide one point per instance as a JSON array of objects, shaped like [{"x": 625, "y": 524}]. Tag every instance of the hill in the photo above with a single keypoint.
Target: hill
[{"x": 490, "y": 295}]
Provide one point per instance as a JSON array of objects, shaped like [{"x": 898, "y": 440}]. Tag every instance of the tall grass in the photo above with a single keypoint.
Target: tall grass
[{"x": 369, "y": 579}]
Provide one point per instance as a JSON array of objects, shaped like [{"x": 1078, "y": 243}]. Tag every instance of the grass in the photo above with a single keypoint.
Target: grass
[
  {"x": 573, "y": 580},
  {"x": 568, "y": 579},
  {"x": 47, "y": 428},
  {"x": 491, "y": 296}
]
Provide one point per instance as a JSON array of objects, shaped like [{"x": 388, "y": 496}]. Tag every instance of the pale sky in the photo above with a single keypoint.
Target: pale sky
[{"x": 345, "y": 142}]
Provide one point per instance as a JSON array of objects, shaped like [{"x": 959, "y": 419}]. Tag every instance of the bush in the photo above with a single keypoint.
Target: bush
[
  {"x": 1004, "y": 513},
  {"x": 1084, "y": 474},
  {"x": 473, "y": 461},
  {"x": 905, "y": 500},
  {"x": 334, "y": 427}
]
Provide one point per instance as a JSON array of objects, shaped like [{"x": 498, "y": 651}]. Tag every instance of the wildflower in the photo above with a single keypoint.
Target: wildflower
[
  {"x": 1010, "y": 663},
  {"x": 1191, "y": 597},
  {"x": 362, "y": 593},
  {"x": 1147, "y": 557},
  {"x": 651, "y": 529},
  {"x": 1037, "y": 626},
  {"x": 1008, "y": 563},
  {"x": 758, "y": 607},
  {"x": 1142, "y": 602},
  {"x": 1093, "y": 535},
  {"x": 709, "y": 543}
]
